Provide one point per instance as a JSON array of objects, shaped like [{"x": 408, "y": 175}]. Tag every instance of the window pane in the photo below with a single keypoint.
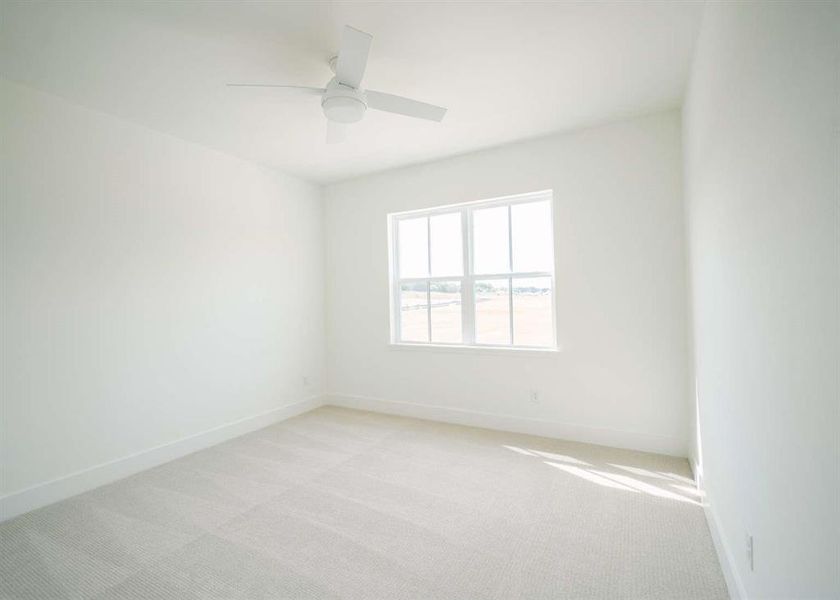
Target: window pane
[
  {"x": 446, "y": 312},
  {"x": 447, "y": 251},
  {"x": 533, "y": 249},
  {"x": 414, "y": 314},
  {"x": 414, "y": 247},
  {"x": 491, "y": 253},
  {"x": 492, "y": 312},
  {"x": 532, "y": 323}
]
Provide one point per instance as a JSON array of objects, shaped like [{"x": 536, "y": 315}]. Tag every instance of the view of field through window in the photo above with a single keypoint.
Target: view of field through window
[{"x": 506, "y": 308}]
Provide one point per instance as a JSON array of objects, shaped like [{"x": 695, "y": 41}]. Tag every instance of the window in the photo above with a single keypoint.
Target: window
[{"x": 476, "y": 274}]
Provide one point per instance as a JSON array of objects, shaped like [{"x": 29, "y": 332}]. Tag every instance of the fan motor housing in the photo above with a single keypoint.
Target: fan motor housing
[{"x": 342, "y": 103}]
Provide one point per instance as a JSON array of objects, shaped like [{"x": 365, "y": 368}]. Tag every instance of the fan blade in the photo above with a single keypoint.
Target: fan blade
[
  {"x": 404, "y": 106},
  {"x": 336, "y": 132},
  {"x": 297, "y": 88},
  {"x": 352, "y": 58}
]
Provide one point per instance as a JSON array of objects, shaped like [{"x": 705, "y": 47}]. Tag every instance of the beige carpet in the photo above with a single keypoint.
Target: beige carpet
[{"x": 347, "y": 504}]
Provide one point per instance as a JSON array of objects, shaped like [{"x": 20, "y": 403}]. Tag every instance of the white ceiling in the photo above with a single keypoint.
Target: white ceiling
[{"x": 506, "y": 71}]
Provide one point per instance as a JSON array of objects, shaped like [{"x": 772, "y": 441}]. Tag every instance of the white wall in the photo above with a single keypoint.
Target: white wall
[
  {"x": 762, "y": 164},
  {"x": 153, "y": 289},
  {"x": 621, "y": 377}
]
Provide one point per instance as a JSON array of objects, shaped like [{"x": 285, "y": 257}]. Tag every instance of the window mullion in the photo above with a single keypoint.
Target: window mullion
[
  {"x": 510, "y": 240},
  {"x": 429, "y": 273},
  {"x": 510, "y": 307},
  {"x": 429, "y": 308},
  {"x": 429, "y": 246},
  {"x": 523, "y": 274},
  {"x": 510, "y": 268},
  {"x": 467, "y": 287}
]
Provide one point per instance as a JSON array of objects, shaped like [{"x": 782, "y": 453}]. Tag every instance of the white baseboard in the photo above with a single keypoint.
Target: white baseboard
[
  {"x": 630, "y": 440},
  {"x": 727, "y": 564},
  {"x": 28, "y": 499}
]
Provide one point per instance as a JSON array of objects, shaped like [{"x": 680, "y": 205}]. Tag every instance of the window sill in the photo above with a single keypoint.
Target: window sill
[{"x": 489, "y": 350}]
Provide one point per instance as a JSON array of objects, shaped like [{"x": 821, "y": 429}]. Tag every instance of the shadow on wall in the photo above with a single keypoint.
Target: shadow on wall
[{"x": 634, "y": 480}]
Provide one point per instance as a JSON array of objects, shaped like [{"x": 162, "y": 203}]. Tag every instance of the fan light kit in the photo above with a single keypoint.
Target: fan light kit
[
  {"x": 343, "y": 104},
  {"x": 344, "y": 101}
]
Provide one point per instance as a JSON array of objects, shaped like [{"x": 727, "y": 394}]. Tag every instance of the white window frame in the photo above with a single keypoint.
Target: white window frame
[{"x": 468, "y": 278}]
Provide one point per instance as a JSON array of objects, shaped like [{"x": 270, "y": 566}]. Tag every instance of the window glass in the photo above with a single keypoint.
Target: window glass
[
  {"x": 492, "y": 312},
  {"x": 446, "y": 246},
  {"x": 533, "y": 324},
  {"x": 414, "y": 314},
  {"x": 446, "y": 312},
  {"x": 491, "y": 252},
  {"x": 414, "y": 247},
  {"x": 533, "y": 248}
]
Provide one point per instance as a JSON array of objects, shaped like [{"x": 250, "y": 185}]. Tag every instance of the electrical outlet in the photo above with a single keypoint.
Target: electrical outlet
[
  {"x": 306, "y": 382},
  {"x": 750, "y": 553},
  {"x": 534, "y": 395}
]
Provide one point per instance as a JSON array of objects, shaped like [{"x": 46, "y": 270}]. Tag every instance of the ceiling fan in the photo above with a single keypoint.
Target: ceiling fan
[{"x": 344, "y": 101}]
